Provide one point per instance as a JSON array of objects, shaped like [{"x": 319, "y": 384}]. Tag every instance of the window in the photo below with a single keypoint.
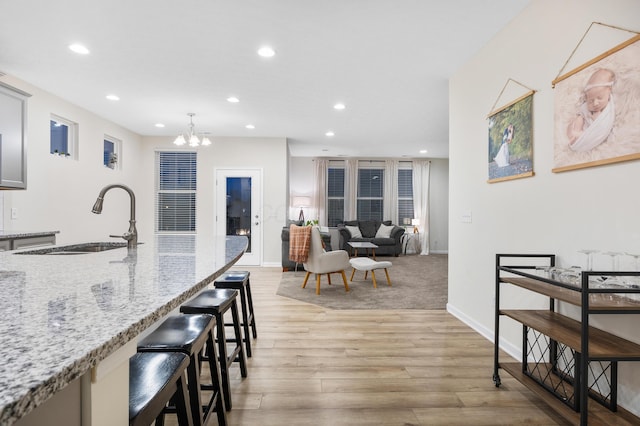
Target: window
[
  {"x": 405, "y": 195},
  {"x": 176, "y": 192},
  {"x": 370, "y": 197},
  {"x": 335, "y": 195},
  {"x": 63, "y": 137},
  {"x": 370, "y": 200},
  {"x": 111, "y": 152}
]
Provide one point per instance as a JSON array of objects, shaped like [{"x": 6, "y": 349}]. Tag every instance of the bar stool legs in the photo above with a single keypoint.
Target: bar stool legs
[
  {"x": 217, "y": 302},
  {"x": 191, "y": 334},
  {"x": 154, "y": 380},
  {"x": 239, "y": 280}
]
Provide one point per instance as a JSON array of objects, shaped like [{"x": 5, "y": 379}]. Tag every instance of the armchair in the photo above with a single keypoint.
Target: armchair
[
  {"x": 320, "y": 262},
  {"x": 288, "y": 264}
]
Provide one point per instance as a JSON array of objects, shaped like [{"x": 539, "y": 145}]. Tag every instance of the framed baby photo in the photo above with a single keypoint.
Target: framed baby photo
[
  {"x": 510, "y": 153},
  {"x": 597, "y": 110}
]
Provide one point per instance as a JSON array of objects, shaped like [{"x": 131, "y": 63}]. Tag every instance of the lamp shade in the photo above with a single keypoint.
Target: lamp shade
[
  {"x": 301, "y": 201},
  {"x": 415, "y": 222}
]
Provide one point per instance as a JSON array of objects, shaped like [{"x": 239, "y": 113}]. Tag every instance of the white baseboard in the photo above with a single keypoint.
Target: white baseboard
[
  {"x": 514, "y": 351},
  {"x": 272, "y": 264}
]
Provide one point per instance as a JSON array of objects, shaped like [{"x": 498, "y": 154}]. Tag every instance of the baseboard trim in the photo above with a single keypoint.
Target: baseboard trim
[{"x": 513, "y": 350}]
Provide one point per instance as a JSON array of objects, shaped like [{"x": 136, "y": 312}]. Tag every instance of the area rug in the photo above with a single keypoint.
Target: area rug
[{"x": 417, "y": 282}]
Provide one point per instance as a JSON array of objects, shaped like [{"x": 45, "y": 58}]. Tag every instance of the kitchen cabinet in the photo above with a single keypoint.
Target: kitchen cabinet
[
  {"x": 13, "y": 137},
  {"x": 566, "y": 361}
]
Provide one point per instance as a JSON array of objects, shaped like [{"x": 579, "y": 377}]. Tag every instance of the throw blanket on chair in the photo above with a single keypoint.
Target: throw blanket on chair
[{"x": 299, "y": 242}]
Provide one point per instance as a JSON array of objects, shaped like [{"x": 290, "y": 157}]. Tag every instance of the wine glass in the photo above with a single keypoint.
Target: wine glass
[
  {"x": 614, "y": 259},
  {"x": 615, "y": 262},
  {"x": 633, "y": 282},
  {"x": 637, "y": 260},
  {"x": 589, "y": 253}
]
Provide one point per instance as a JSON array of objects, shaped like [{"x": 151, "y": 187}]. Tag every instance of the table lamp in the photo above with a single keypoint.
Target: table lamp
[
  {"x": 415, "y": 223},
  {"x": 301, "y": 201}
]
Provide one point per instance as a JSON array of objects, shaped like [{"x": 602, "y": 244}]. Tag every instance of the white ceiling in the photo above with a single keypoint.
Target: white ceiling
[{"x": 388, "y": 61}]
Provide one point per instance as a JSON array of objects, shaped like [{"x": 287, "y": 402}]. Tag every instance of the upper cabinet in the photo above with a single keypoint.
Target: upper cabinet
[{"x": 13, "y": 138}]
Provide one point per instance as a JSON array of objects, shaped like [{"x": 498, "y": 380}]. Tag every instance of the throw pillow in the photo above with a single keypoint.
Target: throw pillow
[
  {"x": 368, "y": 228},
  {"x": 354, "y": 231},
  {"x": 384, "y": 231}
]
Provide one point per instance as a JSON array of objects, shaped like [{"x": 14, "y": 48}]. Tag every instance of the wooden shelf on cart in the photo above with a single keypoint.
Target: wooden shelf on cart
[
  {"x": 602, "y": 345},
  {"x": 597, "y": 301},
  {"x": 598, "y": 415}
]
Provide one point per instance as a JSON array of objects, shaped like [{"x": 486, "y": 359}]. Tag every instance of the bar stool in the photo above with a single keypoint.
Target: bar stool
[
  {"x": 217, "y": 302},
  {"x": 191, "y": 334},
  {"x": 239, "y": 280},
  {"x": 154, "y": 380}
]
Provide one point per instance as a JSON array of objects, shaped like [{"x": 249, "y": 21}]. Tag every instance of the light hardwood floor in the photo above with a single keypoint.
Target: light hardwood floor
[{"x": 314, "y": 366}]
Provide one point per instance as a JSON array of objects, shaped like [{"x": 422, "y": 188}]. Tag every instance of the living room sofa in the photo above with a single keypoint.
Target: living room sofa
[
  {"x": 289, "y": 265},
  {"x": 387, "y": 245}
]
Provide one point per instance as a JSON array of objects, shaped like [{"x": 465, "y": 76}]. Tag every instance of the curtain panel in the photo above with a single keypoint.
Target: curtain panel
[{"x": 421, "y": 201}]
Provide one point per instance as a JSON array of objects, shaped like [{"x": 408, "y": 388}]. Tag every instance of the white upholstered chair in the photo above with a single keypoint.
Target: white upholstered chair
[{"x": 322, "y": 262}]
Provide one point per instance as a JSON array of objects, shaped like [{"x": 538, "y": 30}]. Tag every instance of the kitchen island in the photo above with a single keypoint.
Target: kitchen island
[{"x": 67, "y": 316}]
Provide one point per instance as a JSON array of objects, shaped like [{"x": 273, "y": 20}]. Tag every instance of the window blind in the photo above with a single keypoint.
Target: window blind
[
  {"x": 405, "y": 195},
  {"x": 335, "y": 195},
  {"x": 176, "y": 192},
  {"x": 370, "y": 193}
]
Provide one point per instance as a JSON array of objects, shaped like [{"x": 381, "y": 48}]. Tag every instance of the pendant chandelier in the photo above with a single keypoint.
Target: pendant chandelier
[{"x": 191, "y": 136}]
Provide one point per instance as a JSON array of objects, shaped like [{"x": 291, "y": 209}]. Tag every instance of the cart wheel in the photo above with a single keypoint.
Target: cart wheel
[{"x": 496, "y": 380}]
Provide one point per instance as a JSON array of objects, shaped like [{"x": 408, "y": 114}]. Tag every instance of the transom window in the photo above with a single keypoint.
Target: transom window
[
  {"x": 63, "y": 137},
  {"x": 111, "y": 152}
]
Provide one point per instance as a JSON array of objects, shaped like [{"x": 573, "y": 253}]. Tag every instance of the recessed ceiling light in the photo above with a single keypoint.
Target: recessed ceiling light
[
  {"x": 423, "y": 151},
  {"x": 250, "y": 126},
  {"x": 330, "y": 133},
  {"x": 339, "y": 106},
  {"x": 159, "y": 125},
  {"x": 113, "y": 97},
  {"x": 79, "y": 49},
  {"x": 266, "y": 52},
  {"x": 233, "y": 99}
]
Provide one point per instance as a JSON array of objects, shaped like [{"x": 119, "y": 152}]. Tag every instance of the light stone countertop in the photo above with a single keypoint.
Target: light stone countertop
[
  {"x": 4, "y": 235},
  {"x": 62, "y": 314}
]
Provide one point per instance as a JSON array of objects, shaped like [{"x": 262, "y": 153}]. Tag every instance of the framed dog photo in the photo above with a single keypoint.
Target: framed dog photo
[
  {"x": 511, "y": 140},
  {"x": 597, "y": 110}
]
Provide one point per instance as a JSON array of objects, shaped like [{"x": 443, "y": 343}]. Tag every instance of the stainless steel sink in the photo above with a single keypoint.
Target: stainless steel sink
[{"x": 75, "y": 249}]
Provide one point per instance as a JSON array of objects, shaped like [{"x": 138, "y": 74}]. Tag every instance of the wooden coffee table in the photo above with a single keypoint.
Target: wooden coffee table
[{"x": 363, "y": 245}]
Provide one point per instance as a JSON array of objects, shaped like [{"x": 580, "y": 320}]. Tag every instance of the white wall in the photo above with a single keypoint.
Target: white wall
[
  {"x": 266, "y": 154},
  {"x": 302, "y": 183},
  {"x": 559, "y": 213},
  {"x": 60, "y": 192}
]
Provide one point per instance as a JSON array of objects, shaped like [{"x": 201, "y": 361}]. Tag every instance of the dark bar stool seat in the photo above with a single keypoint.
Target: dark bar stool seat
[
  {"x": 217, "y": 302},
  {"x": 239, "y": 280},
  {"x": 191, "y": 334},
  {"x": 154, "y": 380}
]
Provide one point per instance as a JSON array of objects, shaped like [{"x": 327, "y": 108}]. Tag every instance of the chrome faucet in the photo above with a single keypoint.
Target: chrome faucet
[{"x": 131, "y": 236}]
